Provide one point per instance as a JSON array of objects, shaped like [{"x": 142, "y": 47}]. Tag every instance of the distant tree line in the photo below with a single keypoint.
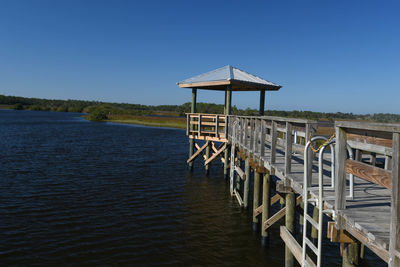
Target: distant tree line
[{"x": 100, "y": 110}]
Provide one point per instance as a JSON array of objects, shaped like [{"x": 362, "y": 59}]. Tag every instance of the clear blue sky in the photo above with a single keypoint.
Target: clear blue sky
[{"x": 328, "y": 55}]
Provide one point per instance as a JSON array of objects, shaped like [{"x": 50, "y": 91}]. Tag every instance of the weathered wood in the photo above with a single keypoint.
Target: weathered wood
[
  {"x": 266, "y": 202},
  {"x": 395, "y": 205},
  {"x": 216, "y": 154},
  {"x": 207, "y": 156},
  {"x": 370, "y": 140},
  {"x": 288, "y": 148},
  {"x": 262, "y": 103},
  {"x": 197, "y": 152},
  {"x": 256, "y": 198},
  {"x": 340, "y": 175},
  {"x": 371, "y": 173},
  {"x": 371, "y": 126},
  {"x": 350, "y": 254},
  {"x": 274, "y": 218},
  {"x": 338, "y": 236},
  {"x": 274, "y": 137},
  {"x": 262, "y": 138},
  {"x": 241, "y": 173},
  {"x": 252, "y": 128},
  {"x": 290, "y": 215},
  {"x": 238, "y": 197},
  {"x": 279, "y": 214},
  {"x": 314, "y": 231},
  {"x": 294, "y": 247},
  {"x": 246, "y": 183}
]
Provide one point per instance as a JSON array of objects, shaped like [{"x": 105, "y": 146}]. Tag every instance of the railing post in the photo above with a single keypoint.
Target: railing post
[
  {"x": 274, "y": 137},
  {"x": 246, "y": 131},
  {"x": 216, "y": 125},
  {"x": 187, "y": 123},
  {"x": 340, "y": 176},
  {"x": 395, "y": 205},
  {"x": 310, "y": 153},
  {"x": 262, "y": 138},
  {"x": 251, "y": 135},
  {"x": 199, "y": 125},
  {"x": 256, "y": 134},
  {"x": 288, "y": 149}
]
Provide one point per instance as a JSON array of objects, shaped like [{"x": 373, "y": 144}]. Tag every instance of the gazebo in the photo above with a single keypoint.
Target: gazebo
[{"x": 207, "y": 127}]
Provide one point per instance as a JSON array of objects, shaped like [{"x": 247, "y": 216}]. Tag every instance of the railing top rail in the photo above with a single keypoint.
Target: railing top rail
[
  {"x": 372, "y": 126},
  {"x": 208, "y": 114},
  {"x": 282, "y": 119}
]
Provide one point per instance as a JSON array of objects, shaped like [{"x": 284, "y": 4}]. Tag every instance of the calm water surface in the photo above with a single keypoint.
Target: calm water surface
[{"x": 74, "y": 192}]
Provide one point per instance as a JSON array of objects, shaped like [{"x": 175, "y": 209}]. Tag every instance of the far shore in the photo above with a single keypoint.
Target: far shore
[{"x": 169, "y": 122}]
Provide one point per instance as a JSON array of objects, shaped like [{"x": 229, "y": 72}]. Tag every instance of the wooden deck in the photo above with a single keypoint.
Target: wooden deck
[{"x": 278, "y": 144}]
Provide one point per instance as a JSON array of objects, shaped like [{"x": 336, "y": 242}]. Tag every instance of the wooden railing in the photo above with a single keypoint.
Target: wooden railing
[
  {"x": 374, "y": 139},
  {"x": 258, "y": 133},
  {"x": 210, "y": 127}
]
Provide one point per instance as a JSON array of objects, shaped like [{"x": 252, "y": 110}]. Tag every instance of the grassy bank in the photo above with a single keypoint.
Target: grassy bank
[{"x": 170, "y": 122}]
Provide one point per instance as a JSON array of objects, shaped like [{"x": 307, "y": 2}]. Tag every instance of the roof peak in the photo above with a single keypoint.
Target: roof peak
[{"x": 228, "y": 74}]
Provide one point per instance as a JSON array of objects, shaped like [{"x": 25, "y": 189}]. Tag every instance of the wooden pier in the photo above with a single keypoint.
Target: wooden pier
[{"x": 351, "y": 180}]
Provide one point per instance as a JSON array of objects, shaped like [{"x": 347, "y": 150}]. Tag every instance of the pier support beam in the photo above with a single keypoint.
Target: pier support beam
[
  {"x": 314, "y": 231},
  {"x": 256, "y": 199},
  {"x": 191, "y": 141},
  {"x": 228, "y": 108},
  {"x": 290, "y": 215},
  {"x": 246, "y": 183},
  {"x": 266, "y": 200},
  {"x": 208, "y": 149},
  {"x": 350, "y": 254}
]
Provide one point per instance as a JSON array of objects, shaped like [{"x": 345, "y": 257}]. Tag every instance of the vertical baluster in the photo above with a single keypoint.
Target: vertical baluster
[
  {"x": 274, "y": 138},
  {"x": 288, "y": 149}
]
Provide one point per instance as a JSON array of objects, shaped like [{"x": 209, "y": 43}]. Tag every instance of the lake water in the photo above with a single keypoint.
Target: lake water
[{"x": 74, "y": 192}]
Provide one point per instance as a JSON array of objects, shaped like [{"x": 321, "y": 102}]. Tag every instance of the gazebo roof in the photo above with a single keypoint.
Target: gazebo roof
[{"x": 220, "y": 78}]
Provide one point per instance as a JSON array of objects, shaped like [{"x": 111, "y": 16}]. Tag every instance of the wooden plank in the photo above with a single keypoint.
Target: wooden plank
[
  {"x": 364, "y": 126},
  {"x": 340, "y": 175},
  {"x": 294, "y": 247},
  {"x": 238, "y": 197},
  {"x": 359, "y": 235},
  {"x": 394, "y": 245},
  {"x": 197, "y": 152},
  {"x": 278, "y": 215},
  {"x": 370, "y": 140},
  {"x": 215, "y": 155},
  {"x": 288, "y": 148},
  {"x": 370, "y": 173},
  {"x": 274, "y": 199},
  {"x": 240, "y": 172},
  {"x": 274, "y": 137},
  {"x": 262, "y": 138}
]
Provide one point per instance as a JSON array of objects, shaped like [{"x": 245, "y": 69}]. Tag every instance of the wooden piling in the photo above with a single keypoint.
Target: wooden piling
[
  {"x": 256, "y": 199},
  {"x": 350, "y": 255},
  {"x": 266, "y": 199},
  {"x": 301, "y": 219},
  {"x": 246, "y": 183},
  {"x": 290, "y": 215},
  {"x": 314, "y": 231},
  {"x": 228, "y": 107},
  {"x": 191, "y": 141},
  {"x": 208, "y": 149}
]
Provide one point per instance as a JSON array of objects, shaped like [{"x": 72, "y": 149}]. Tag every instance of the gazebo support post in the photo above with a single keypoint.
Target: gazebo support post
[
  {"x": 228, "y": 107},
  {"x": 262, "y": 102},
  {"x": 191, "y": 140}
]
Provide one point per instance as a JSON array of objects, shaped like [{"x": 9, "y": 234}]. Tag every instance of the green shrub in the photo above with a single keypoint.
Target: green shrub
[{"x": 18, "y": 106}]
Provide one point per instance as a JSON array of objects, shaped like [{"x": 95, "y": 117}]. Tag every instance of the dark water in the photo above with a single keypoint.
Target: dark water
[{"x": 74, "y": 192}]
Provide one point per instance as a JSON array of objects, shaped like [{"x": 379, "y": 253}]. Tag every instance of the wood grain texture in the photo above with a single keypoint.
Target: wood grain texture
[{"x": 370, "y": 173}]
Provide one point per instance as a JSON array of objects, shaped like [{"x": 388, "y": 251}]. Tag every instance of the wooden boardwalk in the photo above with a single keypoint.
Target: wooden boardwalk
[{"x": 275, "y": 146}]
